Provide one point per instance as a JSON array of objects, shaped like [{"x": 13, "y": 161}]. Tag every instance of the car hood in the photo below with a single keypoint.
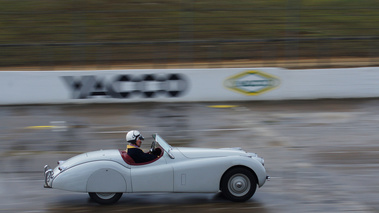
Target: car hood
[{"x": 208, "y": 153}]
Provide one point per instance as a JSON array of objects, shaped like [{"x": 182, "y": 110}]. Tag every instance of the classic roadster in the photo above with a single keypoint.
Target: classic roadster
[{"x": 106, "y": 174}]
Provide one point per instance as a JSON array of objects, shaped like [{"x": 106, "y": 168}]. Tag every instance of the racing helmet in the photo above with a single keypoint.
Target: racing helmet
[{"x": 133, "y": 135}]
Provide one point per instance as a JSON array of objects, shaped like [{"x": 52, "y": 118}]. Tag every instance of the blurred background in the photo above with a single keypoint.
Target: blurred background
[{"x": 99, "y": 34}]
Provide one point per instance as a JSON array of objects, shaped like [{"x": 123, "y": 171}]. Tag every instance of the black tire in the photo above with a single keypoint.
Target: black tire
[
  {"x": 238, "y": 184},
  {"x": 105, "y": 198}
]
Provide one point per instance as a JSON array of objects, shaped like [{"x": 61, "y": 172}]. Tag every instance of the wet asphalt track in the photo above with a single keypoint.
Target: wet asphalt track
[{"x": 323, "y": 156}]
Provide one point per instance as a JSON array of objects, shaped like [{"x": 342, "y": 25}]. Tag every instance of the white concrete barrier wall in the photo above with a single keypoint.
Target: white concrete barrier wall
[{"x": 182, "y": 85}]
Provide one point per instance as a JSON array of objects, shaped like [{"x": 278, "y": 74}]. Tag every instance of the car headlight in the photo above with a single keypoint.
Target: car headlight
[
  {"x": 254, "y": 155},
  {"x": 250, "y": 154}
]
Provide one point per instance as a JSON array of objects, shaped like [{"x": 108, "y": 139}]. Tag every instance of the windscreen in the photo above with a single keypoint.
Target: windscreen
[{"x": 162, "y": 143}]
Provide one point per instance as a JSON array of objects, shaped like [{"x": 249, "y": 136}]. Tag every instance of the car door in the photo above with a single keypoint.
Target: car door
[{"x": 154, "y": 177}]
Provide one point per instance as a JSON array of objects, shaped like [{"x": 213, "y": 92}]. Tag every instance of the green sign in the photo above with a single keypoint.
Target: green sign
[{"x": 252, "y": 82}]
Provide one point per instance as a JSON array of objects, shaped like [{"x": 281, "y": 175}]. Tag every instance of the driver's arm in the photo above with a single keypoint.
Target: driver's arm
[
  {"x": 139, "y": 156},
  {"x": 145, "y": 157},
  {"x": 148, "y": 157},
  {"x": 157, "y": 152}
]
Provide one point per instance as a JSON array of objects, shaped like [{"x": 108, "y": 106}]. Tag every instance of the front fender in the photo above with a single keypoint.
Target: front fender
[{"x": 254, "y": 165}]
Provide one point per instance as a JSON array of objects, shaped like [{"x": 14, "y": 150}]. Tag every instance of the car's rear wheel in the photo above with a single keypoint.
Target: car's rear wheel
[
  {"x": 238, "y": 184},
  {"x": 104, "y": 197}
]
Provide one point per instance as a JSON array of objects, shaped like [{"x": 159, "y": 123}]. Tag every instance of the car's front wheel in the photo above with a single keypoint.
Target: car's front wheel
[
  {"x": 104, "y": 197},
  {"x": 238, "y": 184}
]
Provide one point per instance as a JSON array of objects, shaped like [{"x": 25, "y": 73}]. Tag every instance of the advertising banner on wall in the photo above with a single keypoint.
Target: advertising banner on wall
[{"x": 184, "y": 85}]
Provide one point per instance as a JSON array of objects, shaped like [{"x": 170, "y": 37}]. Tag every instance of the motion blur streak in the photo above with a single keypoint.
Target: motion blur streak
[{"x": 321, "y": 155}]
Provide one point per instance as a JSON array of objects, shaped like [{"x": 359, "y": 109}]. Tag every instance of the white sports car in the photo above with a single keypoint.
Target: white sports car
[{"x": 106, "y": 174}]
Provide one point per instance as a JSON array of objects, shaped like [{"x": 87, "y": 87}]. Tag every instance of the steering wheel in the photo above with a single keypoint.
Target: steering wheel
[{"x": 152, "y": 148}]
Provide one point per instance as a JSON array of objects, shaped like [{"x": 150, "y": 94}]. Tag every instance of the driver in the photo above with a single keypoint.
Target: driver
[{"x": 134, "y": 138}]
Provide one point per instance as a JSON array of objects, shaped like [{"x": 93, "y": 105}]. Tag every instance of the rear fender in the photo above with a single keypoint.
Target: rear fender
[
  {"x": 106, "y": 180},
  {"x": 93, "y": 176}
]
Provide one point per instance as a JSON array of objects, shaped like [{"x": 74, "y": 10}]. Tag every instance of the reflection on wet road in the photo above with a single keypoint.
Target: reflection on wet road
[{"x": 322, "y": 155}]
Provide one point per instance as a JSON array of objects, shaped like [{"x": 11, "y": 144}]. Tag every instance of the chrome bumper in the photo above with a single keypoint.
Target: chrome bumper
[{"x": 48, "y": 176}]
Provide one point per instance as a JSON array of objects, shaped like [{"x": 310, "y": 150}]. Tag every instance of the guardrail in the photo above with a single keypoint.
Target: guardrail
[{"x": 186, "y": 85}]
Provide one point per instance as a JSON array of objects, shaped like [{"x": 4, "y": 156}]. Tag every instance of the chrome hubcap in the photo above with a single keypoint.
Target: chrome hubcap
[
  {"x": 105, "y": 195},
  {"x": 239, "y": 185}
]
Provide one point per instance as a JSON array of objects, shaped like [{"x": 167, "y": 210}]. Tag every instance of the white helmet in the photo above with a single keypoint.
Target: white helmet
[{"x": 133, "y": 135}]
